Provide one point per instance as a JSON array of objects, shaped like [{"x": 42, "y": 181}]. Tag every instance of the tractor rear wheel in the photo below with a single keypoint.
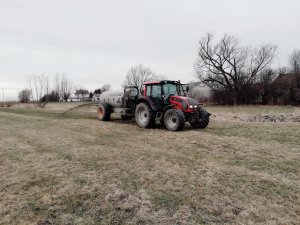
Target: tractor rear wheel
[
  {"x": 144, "y": 115},
  {"x": 201, "y": 119},
  {"x": 174, "y": 119},
  {"x": 104, "y": 112}
]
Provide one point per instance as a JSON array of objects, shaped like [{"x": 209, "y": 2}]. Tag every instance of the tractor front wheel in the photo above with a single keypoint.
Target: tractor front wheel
[
  {"x": 144, "y": 115},
  {"x": 201, "y": 119},
  {"x": 174, "y": 120}
]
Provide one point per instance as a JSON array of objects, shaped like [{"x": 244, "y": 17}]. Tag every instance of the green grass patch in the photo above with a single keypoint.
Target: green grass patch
[{"x": 168, "y": 200}]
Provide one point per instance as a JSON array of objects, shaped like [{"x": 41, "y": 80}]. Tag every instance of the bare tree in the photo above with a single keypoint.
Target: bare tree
[
  {"x": 266, "y": 78},
  {"x": 24, "y": 96},
  {"x": 137, "y": 75},
  {"x": 105, "y": 87},
  {"x": 39, "y": 87},
  {"x": 56, "y": 85},
  {"x": 282, "y": 70},
  {"x": 65, "y": 87},
  {"x": 294, "y": 61},
  {"x": 229, "y": 67}
]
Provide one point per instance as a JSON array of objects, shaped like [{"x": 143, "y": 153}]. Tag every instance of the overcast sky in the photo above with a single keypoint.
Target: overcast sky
[{"x": 96, "y": 42}]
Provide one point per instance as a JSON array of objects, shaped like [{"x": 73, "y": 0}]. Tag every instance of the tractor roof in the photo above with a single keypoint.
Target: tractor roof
[{"x": 162, "y": 82}]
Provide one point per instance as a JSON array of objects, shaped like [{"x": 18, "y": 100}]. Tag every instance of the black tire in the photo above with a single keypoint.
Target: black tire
[
  {"x": 144, "y": 115},
  {"x": 201, "y": 119},
  {"x": 174, "y": 119},
  {"x": 104, "y": 112}
]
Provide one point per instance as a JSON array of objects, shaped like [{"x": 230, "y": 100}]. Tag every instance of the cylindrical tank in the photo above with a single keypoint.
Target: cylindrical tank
[{"x": 113, "y": 98}]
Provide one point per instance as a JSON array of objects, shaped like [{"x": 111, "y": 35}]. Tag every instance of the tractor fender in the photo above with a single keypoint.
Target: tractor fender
[
  {"x": 148, "y": 101},
  {"x": 168, "y": 107}
]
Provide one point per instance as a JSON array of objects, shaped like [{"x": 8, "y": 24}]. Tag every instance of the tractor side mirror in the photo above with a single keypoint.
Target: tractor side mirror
[{"x": 187, "y": 88}]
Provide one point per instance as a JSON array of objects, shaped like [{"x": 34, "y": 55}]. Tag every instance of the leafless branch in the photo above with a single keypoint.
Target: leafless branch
[
  {"x": 137, "y": 75},
  {"x": 228, "y": 65}
]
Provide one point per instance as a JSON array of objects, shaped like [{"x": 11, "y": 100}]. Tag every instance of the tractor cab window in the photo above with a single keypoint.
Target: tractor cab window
[
  {"x": 156, "y": 91},
  {"x": 133, "y": 92},
  {"x": 170, "y": 89},
  {"x": 148, "y": 93}
]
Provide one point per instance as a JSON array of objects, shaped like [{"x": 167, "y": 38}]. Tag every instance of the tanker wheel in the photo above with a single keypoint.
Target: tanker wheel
[
  {"x": 104, "y": 112},
  {"x": 201, "y": 120},
  {"x": 144, "y": 115},
  {"x": 174, "y": 120}
]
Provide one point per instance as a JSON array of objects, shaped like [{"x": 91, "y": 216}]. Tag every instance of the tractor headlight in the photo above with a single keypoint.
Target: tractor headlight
[
  {"x": 195, "y": 106},
  {"x": 191, "y": 106}
]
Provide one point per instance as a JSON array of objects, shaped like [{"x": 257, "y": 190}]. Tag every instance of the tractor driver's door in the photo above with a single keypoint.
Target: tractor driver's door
[
  {"x": 168, "y": 91},
  {"x": 154, "y": 92}
]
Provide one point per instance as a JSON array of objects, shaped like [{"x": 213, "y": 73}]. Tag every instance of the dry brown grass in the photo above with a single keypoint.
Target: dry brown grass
[
  {"x": 8, "y": 104},
  {"x": 73, "y": 169}
]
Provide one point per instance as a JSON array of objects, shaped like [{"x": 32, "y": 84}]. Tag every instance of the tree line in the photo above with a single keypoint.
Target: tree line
[
  {"x": 40, "y": 89},
  {"x": 235, "y": 74},
  {"x": 243, "y": 75}
]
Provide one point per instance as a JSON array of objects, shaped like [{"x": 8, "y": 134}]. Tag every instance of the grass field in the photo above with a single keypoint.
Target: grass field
[{"x": 69, "y": 168}]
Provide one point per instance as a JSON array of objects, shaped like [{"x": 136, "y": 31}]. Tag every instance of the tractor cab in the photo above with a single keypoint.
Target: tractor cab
[
  {"x": 166, "y": 93},
  {"x": 160, "y": 92}
]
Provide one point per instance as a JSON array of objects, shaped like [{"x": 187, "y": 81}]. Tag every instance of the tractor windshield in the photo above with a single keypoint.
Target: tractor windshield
[{"x": 173, "y": 89}]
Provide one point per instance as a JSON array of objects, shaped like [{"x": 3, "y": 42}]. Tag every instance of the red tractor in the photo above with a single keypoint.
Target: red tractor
[{"x": 165, "y": 101}]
